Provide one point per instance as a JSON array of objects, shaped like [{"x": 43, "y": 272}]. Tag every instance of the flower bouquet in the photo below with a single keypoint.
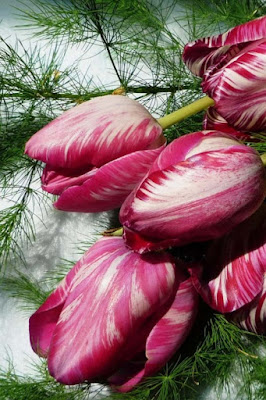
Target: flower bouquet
[{"x": 188, "y": 249}]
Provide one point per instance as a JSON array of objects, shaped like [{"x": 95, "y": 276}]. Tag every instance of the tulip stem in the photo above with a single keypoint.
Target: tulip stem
[
  {"x": 185, "y": 112},
  {"x": 263, "y": 159}
]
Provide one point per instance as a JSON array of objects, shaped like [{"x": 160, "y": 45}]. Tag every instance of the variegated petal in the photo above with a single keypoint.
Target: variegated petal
[
  {"x": 188, "y": 145},
  {"x": 165, "y": 338},
  {"x": 233, "y": 273},
  {"x": 212, "y": 120},
  {"x": 109, "y": 185},
  {"x": 203, "y": 54},
  {"x": 252, "y": 317},
  {"x": 199, "y": 199},
  {"x": 43, "y": 322},
  {"x": 94, "y": 133},
  {"x": 112, "y": 295}
]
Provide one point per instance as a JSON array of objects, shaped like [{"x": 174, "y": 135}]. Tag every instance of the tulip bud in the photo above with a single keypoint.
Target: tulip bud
[
  {"x": 96, "y": 152},
  {"x": 200, "y": 187},
  {"x": 115, "y": 307},
  {"x": 232, "y": 66}
]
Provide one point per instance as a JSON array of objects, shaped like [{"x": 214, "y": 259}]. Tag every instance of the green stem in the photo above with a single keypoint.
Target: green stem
[
  {"x": 185, "y": 112},
  {"x": 87, "y": 96},
  {"x": 263, "y": 159}
]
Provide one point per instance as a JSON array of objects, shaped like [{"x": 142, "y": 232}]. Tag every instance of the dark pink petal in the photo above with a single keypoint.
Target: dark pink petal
[
  {"x": 213, "y": 120},
  {"x": 108, "y": 186},
  {"x": 239, "y": 89},
  {"x": 56, "y": 182},
  {"x": 202, "y": 54},
  {"x": 233, "y": 272},
  {"x": 43, "y": 322},
  {"x": 199, "y": 199},
  {"x": 94, "y": 133},
  {"x": 165, "y": 338},
  {"x": 252, "y": 317},
  {"x": 111, "y": 297}
]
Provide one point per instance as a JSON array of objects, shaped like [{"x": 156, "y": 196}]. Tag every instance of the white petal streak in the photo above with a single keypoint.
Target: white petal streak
[{"x": 179, "y": 186}]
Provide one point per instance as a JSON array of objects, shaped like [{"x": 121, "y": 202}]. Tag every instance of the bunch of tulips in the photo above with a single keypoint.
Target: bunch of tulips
[{"x": 127, "y": 306}]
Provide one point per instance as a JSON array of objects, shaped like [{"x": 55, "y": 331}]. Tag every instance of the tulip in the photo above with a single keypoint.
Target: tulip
[
  {"x": 117, "y": 316},
  {"x": 232, "y": 66},
  {"x": 200, "y": 187},
  {"x": 96, "y": 152},
  {"x": 233, "y": 273}
]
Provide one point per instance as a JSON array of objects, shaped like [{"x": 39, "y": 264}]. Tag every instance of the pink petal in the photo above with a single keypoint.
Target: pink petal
[
  {"x": 199, "y": 199},
  {"x": 252, "y": 317},
  {"x": 214, "y": 121},
  {"x": 202, "y": 54},
  {"x": 43, "y": 322},
  {"x": 239, "y": 89},
  {"x": 188, "y": 145},
  {"x": 166, "y": 337},
  {"x": 112, "y": 295},
  {"x": 56, "y": 182},
  {"x": 108, "y": 186},
  {"x": 94, "y": 133},
  {"x": 235, "y": 264}
]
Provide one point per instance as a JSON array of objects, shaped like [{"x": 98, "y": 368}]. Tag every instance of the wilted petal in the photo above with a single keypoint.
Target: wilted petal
[
  {"x": 233, "y": 272},
  {"x": 165, "y": 338},
  {"x": 252, "y": 317},
  {"x": 108, "y": 186},
  {"x": 202, "y": 54},
  {"x": 112, "y": 295},
  {"x": 94, "y": 133},
  {"x": 192, "y": 201},
  {"x": 239, "y": 89}
]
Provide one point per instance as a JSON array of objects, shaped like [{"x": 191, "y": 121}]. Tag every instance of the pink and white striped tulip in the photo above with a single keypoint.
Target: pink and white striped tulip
[
  {"x": 115, "y": 307},
  {"x": 233, "y": 272},
  {"x": 96, "y": 152},
  {"x": 232, "y": 66},
  {"x": 199, "y": 188}
]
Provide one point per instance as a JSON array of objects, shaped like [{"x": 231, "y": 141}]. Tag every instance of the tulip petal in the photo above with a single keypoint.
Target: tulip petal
[
  {"x": 108, "y": 186},
  {"x": 192, "y": 201},
  {"x": 111, "y": 296},
  {"x": 202, "y": 54},
  {"x": 212, "y": 120},
  {"x": 56, "y": 182},
  {"x": 188, "y": 145},
  {"x": 239, "y": 89},
  {"x": 94, "y": 133},
  {"x": 165, "y": 338},
  {"x": 233, "y": 272},
  {"x": 43, "y": 322},
  {"x": 252, "y": 317}
]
